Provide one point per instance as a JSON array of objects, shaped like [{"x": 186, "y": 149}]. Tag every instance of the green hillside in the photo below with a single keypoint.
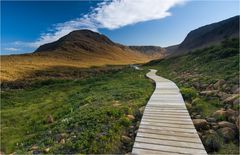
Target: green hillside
[
  {"x": 209, "y": 79},
  {"x": 97, "y": 114}
]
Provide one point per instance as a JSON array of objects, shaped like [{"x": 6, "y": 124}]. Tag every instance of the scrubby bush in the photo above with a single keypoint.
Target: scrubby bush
[
  {"x": 188, "y": 94},
  {"x": 212, "y": 142}
]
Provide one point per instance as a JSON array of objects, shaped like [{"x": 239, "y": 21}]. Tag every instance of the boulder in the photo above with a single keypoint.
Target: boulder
[
  {"x": 231, "y": 99},
  {"x": 210, "y": 87},
  {"x": 126, "y": 139},
  {"x": 219, "y": 84},
  {"x": 227, "y": 133},
  {"x": 141, "y": 110},
  {"x": 211, "y": 119},
  {"x": 219, "y": 114},
  {"x": 231, "y": 115},
  {"x": 223, "y": 124},
  {"x": 237, "y": 121},
  {"x": 130, "y": 117},
  {"x": 236, "y": 101},
  {"x": 211, "y": 141},
  {"x": 235, "y": 89},
  {"x": 209, "y": 93},
  {"x": 223, "y": 95},
  {"x": 200, "y": 124}
]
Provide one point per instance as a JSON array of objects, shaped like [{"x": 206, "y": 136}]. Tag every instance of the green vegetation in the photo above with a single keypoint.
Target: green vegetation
[
  {"x": 206, "y": 78},
  {"x": 73, "y": 116}
]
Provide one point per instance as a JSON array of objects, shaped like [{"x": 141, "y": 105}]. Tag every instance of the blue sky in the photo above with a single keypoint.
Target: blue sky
[{"x": 26, "y": 25}]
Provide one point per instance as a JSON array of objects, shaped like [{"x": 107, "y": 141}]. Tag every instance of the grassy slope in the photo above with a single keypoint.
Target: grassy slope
[
  {"x": 205, "y": 66},
  {"x": 89, "y": 114},
  {"x": 15, "y": 67}
]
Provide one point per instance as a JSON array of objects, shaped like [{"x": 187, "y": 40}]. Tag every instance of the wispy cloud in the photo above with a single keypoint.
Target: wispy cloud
[
  {"x": 11, "y": 49},
  {"x": 110, "y": 15}
]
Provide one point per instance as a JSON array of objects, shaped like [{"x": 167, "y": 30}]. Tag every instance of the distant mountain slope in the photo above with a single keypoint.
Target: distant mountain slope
[
  {"x": 81, "y": 48},
  {"x": 154, "y": 52},
  {"x": 208, "y": 35}
]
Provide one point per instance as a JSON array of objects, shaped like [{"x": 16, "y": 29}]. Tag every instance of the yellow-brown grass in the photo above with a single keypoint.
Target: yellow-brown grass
[{"x": 15, "y": 67}]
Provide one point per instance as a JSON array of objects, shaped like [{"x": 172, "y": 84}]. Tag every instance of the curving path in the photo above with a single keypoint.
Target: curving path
[{"x": 166, "y": 127}]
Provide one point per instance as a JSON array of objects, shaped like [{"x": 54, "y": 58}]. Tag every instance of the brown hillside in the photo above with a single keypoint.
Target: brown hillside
[{"x": 82, "y": 48}]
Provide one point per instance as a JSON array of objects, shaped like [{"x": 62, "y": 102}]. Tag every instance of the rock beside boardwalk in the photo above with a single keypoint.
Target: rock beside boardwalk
[{"x": 200, "y": 124}]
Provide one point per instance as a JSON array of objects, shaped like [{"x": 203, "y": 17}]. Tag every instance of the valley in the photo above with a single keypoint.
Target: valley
[{"x": 82, "y": 94}]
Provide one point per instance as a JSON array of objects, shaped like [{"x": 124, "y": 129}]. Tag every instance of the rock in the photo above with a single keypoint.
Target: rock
[
  {"x": 236, "y": 101},
  {"x": 34, "y": 147},
  {"x": 211, "y": 119},
  {"x": 215, "y": 127},
  {"x": 200, "y": 124},
  {"x": 220, "y": 114},
  {"x": 188, "y": 105},
  {"x": 46, "y": 150},
  {"x": 141, "y": 110},
  {"x": 137, "y": 124},
  {"x": 237, "y": 121},
  {"x": 223, "y": 124},
  {"x": 126, "y": 139},
  {"x": 231, "y": 99},
  {"x": 62, "y": 141},
  {"x": 227, "y": 133},
  {"x": 211, "y": 141},
  {"x": 210, "y": 87},
  {"x": 50, "y": 119},
  {"x": 231, "y": 115},
  {"x": 235, "y": 89},
  {"x": 223, "y": 95},
  {"x": 219, "y": 84},
  {"x": 130, "y": 117},
  {"x": 198, "y": 116},
  {"x": 209, "y": 93}
]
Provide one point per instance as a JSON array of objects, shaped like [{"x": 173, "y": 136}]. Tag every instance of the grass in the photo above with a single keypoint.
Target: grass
[
  {"x": 194, "y": 71},
  {"x": 89, "y": 114}
]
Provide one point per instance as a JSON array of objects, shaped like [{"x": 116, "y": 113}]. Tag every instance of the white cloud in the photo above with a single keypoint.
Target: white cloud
[
  {"x": 11, "y": 49},
  {"x": 110, "y": 15}
]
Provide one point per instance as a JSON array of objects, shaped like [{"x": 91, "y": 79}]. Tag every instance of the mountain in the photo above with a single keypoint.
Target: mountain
[
  {"x": 81, "y": 48},
  {"x": 207, "y": 35},
  {"x": 152, "y": 51}
]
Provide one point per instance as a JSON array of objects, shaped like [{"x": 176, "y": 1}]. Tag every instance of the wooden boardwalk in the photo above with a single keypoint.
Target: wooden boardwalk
[{"x": 166, "y": 127}]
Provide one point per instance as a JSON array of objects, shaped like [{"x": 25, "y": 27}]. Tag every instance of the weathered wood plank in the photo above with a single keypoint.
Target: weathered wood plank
[{"x": 166, "y": 127}]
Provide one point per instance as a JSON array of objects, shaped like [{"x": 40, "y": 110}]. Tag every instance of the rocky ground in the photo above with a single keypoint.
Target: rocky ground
[{"x": 221, "y": 126}]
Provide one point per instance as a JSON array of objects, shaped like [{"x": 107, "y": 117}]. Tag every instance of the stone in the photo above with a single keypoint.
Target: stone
[
  {"x": 210, "y": 87},
  {"x": 219, "y": 84},
  {"x": 141, "y": 110},
  {"x": 188, "y": 105},
  {"x": 223, "y": 95},
  {"x": 231, "y": 99},
  {"x": 211, "y": 119},
  {"x": 46, "y": 150},
  {"x": 211, "y": 141},
  {"x": 223, "y": 124},
  {"x": 126, "y": 139},
  {"x": 237, "y": 121},
  {"x": 227, "y": 133},
  {"x": 130, "y": 117},
  {"x": 219, "y": 114},
  {"x": 200, "y": 124},
  {"x": 198, "y": 116},
  {"x": 235, "y": 89},
  {"x": 50, "y": 119},
  {"x": 236, "y": 101},
  {"x": 231, "y": 115},
  {"x": 34, "y": 147},
  {"x": 62, "y": 141},
  {"x": 209, "y": 93}
]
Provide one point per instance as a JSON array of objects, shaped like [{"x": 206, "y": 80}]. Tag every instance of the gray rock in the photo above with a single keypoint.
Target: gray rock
[
  {"x": 200, "y": 124},
  {"x": 227, "y": 133}
]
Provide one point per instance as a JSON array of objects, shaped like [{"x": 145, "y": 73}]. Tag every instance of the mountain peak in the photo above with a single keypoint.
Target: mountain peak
[{"x": 77, "y": 39}]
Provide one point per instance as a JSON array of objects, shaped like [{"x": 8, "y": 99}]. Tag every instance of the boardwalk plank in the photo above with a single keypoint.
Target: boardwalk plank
[{"x": 166, "y": 127}]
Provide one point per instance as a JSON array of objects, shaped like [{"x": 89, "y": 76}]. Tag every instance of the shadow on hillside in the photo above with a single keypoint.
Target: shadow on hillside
[{"x": 58, "y": 73}]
